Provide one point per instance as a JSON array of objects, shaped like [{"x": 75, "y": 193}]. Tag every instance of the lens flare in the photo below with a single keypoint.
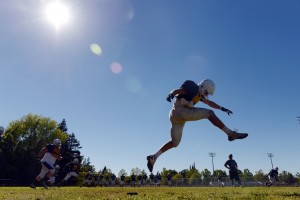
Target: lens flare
[
  {"x": 96, "y": 49},
  {"x": 116, "y": 67}
]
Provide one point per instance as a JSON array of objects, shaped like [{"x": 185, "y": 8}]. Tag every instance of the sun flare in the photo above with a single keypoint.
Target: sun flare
[{"x": 58, "y": 14}]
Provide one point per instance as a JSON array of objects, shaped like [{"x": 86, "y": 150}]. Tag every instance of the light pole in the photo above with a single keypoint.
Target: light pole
[
  {"x": 212, "y": 155},
  {"x": 271, "y": 155}
]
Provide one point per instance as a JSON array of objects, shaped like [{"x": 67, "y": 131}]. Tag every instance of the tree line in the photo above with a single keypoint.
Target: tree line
[{"x": 25, "y": 137}]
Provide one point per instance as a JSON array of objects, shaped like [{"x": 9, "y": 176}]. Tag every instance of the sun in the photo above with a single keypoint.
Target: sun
[{"x": 58, "y": 14}]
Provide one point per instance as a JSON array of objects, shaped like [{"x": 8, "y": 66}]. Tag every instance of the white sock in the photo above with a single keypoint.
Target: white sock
[
  {"x": 227, "y": 130},
  {"x": 157, "y": 154}
]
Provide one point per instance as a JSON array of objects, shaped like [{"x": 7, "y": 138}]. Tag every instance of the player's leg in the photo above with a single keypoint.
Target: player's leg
[
  {"x": 176, "y": 134},
  {"x": 39, "y": 177},
  {"x": 203, "y": 113}
]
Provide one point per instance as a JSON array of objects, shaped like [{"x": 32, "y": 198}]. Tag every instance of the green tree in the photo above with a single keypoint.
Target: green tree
[
  {"x": 136, "y": 171},
  {"x": 194, "y": 176},
  {"x": 70, "y": 150},
  {"x": 247, "y": 175},
  {"x": 22, "y": 140},
  {"x": 63, "y": 126},
  {"x": 220, "y": 173},
  {"x": 86, "y": 165},
  {"x": 121, "y": 172},
  {"x": 260, "y": 176},
  {"x": 287, "y": 177}
]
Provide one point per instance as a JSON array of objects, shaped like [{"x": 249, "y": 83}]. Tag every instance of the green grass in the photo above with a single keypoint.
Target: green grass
[{"x": 179, "y": 193}]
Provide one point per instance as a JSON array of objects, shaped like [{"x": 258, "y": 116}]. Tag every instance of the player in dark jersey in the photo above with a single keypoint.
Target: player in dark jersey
[
  {"x": 145, "y": 179},
  {"x": 122, "y": 179},
  {"x": 183, "y": 110},
  {"x": 151, "y": 177},
  {"x": 169, "y": 179},
  {"x": 88, "y": 179},
  {"x": 72, "y": 170},
  {"x": 233, "y": 170},
  {"x": 273, "y": 177}
]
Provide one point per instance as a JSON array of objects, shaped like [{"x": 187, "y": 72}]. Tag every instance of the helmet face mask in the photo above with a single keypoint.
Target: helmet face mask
[{"x": 207, "y": 87}]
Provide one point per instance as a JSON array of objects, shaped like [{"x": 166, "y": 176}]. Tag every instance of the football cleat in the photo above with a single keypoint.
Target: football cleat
[
  {"x": 44, "y": 185},
  {"x": 236, "y": 135},
  {"x": 32, "y": 186},
  {"x": 150, "y": 162}
]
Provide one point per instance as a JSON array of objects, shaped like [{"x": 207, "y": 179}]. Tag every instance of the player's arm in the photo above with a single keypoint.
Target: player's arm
[
  {"x": 226, "y": 165},
  {"x": 42, "y": 152},
  {"x": 174, "y": 93},
  {"x": 216, "y": 106}
]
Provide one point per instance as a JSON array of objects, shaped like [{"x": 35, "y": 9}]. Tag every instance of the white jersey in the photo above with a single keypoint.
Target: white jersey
[{"x": 49, "y": 155}]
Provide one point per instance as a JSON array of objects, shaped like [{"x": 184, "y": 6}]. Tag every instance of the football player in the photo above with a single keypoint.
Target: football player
[
  {"x": 49, "y": 155},
  {"x": 1, "y": 132},
  {"x": 183, "y": 110},
  {"x": 88, "y": 179},
  {"x": 169, "y": 179},
  {"x": 233, "y": 170},
  {"x": 72, "y": 169},
  {"x": 113, "y": 179},
  {"x": 273, "y": 177},
  {"x": 122, "y": 179}
]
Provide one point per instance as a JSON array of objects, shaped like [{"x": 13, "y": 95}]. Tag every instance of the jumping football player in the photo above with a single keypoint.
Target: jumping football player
[{"x": 183, "y": 110}]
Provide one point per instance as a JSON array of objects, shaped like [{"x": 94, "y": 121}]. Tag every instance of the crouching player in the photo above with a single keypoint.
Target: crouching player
[
  {"x": 49, "y": 155},
  {"x": 72, "y": 170}
]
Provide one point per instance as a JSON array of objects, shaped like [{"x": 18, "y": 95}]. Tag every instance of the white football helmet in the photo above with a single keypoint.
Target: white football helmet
[
  {"x": 207, "y": 87},
  {"x": 57, "y": 142},
  {"x": 76, "y": 160}
]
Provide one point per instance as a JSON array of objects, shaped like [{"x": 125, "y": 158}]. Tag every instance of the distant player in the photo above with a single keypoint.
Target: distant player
[
  {"x": 158, "y": 178},
  {"x": 273, "y": 177},
  {"x": 72, "y": 170},
  {"x": 1, "y": 132},
  {"x": 151, "y": 177},
  {"x": 113, "y": 179},
  {"x": 106, "y": 180},
  {"x": 132, "y": 180},
  {"x": 88, "y": 179},
  {"x": 233, "y": 170},
  {"x": 183, "y": 110},
  {"x": 49, "y": 155},
  {"x": 140, "y": 180},
  {"x": 122, "y": 180},
  {"x": 145, "y": 179},
  {"x": 169, "y": 179},
  {"x": 101, "y": 178}
]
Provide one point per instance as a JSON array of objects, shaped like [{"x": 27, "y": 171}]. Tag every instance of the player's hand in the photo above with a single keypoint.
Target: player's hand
[
  {"x": 226, "y": 110},
  {"x": 170, "y": 97}
]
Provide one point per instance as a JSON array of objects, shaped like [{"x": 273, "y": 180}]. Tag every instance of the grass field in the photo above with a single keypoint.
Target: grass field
[{"x": 180, "y": 193}]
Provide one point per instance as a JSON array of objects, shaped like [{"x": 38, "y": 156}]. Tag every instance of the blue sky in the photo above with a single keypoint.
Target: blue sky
[{"x": 113, "y": 99}]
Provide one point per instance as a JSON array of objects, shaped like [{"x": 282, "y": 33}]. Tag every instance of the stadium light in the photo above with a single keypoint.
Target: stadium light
[
  {"x": 212, "y": 155},
  {"x": 271, "y": 155}
]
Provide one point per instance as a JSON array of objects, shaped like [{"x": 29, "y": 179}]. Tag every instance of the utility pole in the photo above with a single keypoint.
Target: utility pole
[
  {"x": 212, "y": 155},
  {"x": 271, "y": 155}
]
